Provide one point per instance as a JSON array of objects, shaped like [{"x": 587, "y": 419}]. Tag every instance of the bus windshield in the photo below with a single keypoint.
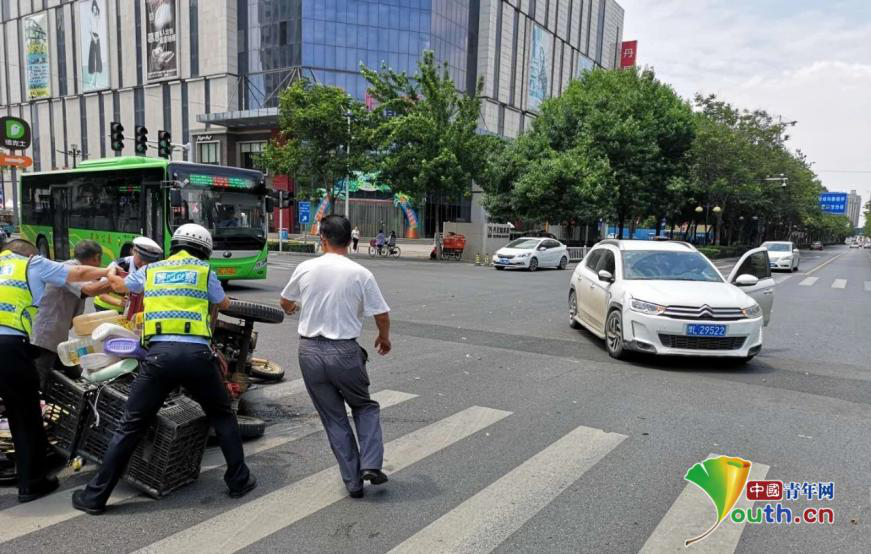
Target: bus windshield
[{"x": 226, "y": 214}]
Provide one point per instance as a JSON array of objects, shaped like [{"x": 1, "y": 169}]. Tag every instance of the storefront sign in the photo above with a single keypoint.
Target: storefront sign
[{"x": 14, "y": 133}]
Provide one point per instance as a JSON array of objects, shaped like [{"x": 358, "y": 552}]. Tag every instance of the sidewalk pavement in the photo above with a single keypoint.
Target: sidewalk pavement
[{"x": 410, "y": 248}]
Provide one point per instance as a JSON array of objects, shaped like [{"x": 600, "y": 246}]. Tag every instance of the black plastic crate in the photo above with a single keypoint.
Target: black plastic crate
[
  {"x": 170, "y": 453},
  {"x": 66, "y": 402}
]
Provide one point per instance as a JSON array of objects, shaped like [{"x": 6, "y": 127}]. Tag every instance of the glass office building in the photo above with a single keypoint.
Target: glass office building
[{"x": 212, "y": 73}]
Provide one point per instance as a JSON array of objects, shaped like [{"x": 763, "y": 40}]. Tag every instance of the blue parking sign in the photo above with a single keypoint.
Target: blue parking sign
[{"x": 305, "y": 212}]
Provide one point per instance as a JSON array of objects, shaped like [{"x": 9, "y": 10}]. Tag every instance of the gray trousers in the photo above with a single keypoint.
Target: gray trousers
[{"x": 334, "y": 373}]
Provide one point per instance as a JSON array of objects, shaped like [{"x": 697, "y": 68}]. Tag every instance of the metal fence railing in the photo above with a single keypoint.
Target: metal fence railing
[{"x": 577, "y": 253}]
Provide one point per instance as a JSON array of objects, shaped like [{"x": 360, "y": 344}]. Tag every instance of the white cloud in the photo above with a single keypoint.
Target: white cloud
[{"x": 806, "y": 61}]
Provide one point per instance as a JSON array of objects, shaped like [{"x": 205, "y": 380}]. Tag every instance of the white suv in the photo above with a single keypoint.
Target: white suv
[{"x": 667, "y": 298}]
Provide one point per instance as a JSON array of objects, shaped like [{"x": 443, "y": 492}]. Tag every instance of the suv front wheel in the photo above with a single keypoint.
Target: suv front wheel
[{"x": 614, "y": 335}]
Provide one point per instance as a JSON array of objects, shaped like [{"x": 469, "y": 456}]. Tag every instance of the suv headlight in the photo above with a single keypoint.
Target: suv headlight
[
  {"x": 752, "y": 312},
  {"x": 524, "y": 255},
  {"x": 646, "y": 307}
]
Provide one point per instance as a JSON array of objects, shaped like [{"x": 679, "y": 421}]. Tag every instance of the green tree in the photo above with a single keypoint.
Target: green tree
[
  {"x": 867, "y": 228},
  {"x": 425, "y": 137},
  {"x": 629, "y": 135},
  {"x": 314, "y": 134}
]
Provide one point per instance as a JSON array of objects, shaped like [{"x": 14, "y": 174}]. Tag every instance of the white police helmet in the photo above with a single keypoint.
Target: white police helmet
[
  {"x": 194, "y": 238},
  {"x": 147, "y": 249}
]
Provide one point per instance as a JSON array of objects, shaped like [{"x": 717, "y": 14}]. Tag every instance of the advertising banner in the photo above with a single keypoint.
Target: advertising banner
[
  {"x": 94, "y": 44},
  {"x": 628, "y": 54},
  {"x": 161, "y": 39},
  {"x": 36, "y": 59},
  {"x": 539, "y": 67}
]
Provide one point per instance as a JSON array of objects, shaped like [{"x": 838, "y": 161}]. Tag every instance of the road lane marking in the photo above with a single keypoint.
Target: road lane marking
[
  {"x": 867, "y": 286},
  {"x": 276, "y": 391},
  {"x": 839, "y": 284},
  {"x": 253, "y": 521},
  {"x": 691, "y": 514},
  {"x": 808, "y": 281},
  {"x": 24, "y": 519},
  {"x": 484, "y": 521},
  {"x": 824, "y": 264}
]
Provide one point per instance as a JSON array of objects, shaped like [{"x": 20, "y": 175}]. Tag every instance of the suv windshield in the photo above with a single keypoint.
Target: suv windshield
[
  {"x": 522, "y": 244},
  {"x": 778, "y": 246},
  {"x": 658, "y": 265}
]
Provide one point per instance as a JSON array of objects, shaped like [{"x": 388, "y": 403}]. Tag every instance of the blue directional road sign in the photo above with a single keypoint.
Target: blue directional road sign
[
  {"x": 834, "y": 202},
  {"x": 305, "y": 212}
]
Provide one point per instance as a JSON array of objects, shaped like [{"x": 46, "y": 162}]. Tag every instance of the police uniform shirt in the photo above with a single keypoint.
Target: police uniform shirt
[
  {"x": 135, "y": 283},
  {"x": 40, "y": 272}
]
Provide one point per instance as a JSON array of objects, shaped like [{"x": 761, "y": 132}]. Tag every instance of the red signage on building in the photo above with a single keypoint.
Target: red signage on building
[{"x": 628, "y": 54}]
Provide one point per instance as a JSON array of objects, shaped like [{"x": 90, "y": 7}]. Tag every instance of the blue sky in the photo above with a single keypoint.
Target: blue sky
[{"x": 807, "y": 61}]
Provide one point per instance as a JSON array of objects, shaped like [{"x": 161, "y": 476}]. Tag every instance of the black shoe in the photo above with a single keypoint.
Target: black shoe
[
  {"x": 79, "y": 504},
  {"x": 356, "y": 494},
  {"x": 249, "y": 486},
  {"x": 374, "y": 476},
  {"x": 46, "y": 486}
]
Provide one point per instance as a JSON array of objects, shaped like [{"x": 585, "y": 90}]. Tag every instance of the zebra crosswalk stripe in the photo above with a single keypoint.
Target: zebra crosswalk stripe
[
  {"x": 56, "y": 508},
  {"x": 691, "y": 514},
  {"x": 867, "y": 286},
  {"x": 253, "y": 521},
  {"x": 484, "y": 521},
  {"x": 809, "y": 281},
  {"x": 839, "y": 284}
]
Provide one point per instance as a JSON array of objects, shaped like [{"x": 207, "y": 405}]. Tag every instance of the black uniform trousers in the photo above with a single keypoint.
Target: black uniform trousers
[
  {"x": 19, "y": 388},
  {"x": 168, "y": 365}
]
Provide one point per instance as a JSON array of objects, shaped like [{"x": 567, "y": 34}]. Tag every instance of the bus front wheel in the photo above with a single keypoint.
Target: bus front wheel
[{"x": 42, "y": 246}]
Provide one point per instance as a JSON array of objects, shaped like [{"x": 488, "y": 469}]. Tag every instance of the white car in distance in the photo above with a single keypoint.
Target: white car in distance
[
  {"x": 532, "y": 253},
  {"x": 783, "y": 255},
  {"x": 667, "y": 298}
]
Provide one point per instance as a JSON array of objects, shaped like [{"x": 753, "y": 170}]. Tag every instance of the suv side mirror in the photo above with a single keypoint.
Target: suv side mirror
[
  {"x": 606, "y": 276},
  {"x": 746, "y": 280},
  {"x": 175, "y": 199}
]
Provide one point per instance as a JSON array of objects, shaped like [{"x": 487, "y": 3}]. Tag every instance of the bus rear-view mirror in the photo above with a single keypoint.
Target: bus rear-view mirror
[{"x": 175, "y": 199}]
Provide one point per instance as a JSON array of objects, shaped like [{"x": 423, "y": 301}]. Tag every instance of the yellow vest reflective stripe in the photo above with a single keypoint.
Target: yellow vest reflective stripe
[
  {"x": 16, "y": 301},
  {"x": 176, "y": 300},
  {"x": 106, "y": 306}
]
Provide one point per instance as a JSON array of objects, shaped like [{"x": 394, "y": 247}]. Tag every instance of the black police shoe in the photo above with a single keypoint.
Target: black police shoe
[
  {"x": 248, "y": 487},
  {"x": 46, "y": 486},
  {"x": 80, "y": 504}
]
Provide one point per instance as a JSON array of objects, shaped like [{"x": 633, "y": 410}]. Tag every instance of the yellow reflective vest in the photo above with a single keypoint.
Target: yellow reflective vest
[
  {"x": 16, "y": 301},
  {"x": 176, "y": 300}
]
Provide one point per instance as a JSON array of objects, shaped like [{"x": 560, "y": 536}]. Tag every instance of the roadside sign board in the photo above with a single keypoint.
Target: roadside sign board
[
  {"x": 14, "y": 133},
  {"x": 21, "y": 162},
  {"x": 305, "y": 212},
  {"x": 834, "y": 202}
]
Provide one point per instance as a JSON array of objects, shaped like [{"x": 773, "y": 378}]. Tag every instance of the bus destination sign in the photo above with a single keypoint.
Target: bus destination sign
[{"x": 222, "y": 182}]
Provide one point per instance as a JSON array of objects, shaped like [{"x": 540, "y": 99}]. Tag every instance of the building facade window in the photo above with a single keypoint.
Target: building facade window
[
  {"x": 249, "y": 152},
  {"x": 209, "y": 153}
]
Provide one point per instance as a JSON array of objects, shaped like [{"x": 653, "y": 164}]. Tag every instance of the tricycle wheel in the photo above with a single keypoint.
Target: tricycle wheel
[
  {"x": 251, "y": 311},
  {"x": 251, "y": 427},
  {"x": 266, "y": 370}
]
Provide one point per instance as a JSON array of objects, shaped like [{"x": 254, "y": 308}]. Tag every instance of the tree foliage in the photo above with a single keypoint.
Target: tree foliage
[{"x": 426, "y": 140}]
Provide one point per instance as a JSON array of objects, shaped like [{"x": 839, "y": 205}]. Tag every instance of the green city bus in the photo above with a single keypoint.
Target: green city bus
[{"x": 114, "y": 200}]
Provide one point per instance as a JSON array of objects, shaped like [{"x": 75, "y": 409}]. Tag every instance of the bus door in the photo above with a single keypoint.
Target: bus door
[
  {"x": 60, "y": 207},
  {"x": 153, "y": 208}
]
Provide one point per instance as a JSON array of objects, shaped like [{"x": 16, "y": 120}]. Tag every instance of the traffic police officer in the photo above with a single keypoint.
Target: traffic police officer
[
  {"x": 145, "y": 251},
  {"x": 23, "y": 278},
  {"x": 177, "y": 330}
]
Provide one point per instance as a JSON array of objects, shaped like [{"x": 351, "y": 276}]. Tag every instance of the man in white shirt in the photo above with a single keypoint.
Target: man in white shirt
[{"x": 333, "y": 294}]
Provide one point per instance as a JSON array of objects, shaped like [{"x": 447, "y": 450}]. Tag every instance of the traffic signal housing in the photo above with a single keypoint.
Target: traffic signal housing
[
  {"x": 116, "y": 131},
  {"x": 164, "y": 144},
  {"x": 141, "y": 140}
]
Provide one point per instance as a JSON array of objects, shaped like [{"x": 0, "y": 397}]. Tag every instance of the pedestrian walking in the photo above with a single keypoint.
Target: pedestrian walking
[
  {"x": 355, "y": 237},
  {"x": 177, "y": 294},
  {"x": 145, "y": 251},
  {"x": 333, "y": 294},
  {"x": 23, "y": 279},
  {"x": 59, "y": 306}
]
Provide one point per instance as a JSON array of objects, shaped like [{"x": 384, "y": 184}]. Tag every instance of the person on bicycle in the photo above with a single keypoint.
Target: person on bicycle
[
  {"x": 391, "y": 242},
  {"x": 379, "y": 241}
]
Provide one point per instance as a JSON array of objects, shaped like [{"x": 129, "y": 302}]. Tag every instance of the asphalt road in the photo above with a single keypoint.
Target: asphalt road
[{"x": 508, "y": 431}]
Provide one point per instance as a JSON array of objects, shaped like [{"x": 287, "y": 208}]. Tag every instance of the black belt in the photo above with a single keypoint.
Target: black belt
[
  {"x": 325, "y": 339},
  {"x": 14, "y": 339}
]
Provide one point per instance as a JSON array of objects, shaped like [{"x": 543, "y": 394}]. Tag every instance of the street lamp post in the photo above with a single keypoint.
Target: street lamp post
[{"x": 700, "y": 209}]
